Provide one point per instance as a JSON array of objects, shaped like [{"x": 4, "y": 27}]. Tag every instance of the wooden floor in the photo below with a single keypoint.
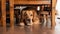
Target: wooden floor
[{"x": 35, "y": 29}]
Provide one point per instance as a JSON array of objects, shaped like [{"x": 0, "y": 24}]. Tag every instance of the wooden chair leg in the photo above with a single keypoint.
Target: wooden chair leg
[
  {"x": 44, "y": 19},
  {"x": 47, "y": 20}
]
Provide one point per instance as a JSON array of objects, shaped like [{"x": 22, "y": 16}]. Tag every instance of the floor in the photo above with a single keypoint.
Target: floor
[{"x": 34, "y": 29}]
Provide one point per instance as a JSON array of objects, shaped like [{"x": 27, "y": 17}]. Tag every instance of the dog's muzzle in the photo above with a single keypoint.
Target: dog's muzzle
[{"x": 27, "y": 21}]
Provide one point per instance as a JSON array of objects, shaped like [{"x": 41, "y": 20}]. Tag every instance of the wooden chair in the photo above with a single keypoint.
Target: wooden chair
[{"x": 44, "y": 15}]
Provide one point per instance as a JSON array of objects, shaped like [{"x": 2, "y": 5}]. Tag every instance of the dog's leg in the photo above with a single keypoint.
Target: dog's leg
[{"x": 31, "y": 22}]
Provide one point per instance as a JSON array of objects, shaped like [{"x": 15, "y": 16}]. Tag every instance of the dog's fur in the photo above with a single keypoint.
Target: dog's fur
[{"x": 31, "y": 16}]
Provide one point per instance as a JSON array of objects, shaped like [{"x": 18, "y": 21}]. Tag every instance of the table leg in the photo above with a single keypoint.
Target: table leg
[
  {"x": 11, "y": 12},
  {"x": 53, "y": 18},
  {"x": 3, "y": 12}
]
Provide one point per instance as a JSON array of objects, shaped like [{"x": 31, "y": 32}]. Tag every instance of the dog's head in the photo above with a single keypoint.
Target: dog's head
[{"x": 28, "y": 14}]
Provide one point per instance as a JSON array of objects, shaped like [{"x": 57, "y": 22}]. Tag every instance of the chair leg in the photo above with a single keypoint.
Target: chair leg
[
  {"x": 47, "y": 20},
  {"x": 44, "y": 20}
]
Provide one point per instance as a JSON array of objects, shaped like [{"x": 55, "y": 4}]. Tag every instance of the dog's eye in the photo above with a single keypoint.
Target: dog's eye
[
  {"x": 31, "y": 15},
  {"x": 25, "y": 14}
]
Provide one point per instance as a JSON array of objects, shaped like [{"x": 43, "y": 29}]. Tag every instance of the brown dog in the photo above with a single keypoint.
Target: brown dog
[{"x": 30, "y": 17}]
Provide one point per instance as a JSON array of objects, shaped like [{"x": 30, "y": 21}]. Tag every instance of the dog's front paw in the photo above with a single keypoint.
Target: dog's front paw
[{"x": 22, "y": 24}]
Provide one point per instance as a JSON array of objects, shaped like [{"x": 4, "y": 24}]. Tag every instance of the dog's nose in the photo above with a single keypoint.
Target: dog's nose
[{"x": 28, "y": 20}]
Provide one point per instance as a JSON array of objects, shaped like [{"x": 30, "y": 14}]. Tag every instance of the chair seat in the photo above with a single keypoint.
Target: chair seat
[{"x": 44, "y": 13}]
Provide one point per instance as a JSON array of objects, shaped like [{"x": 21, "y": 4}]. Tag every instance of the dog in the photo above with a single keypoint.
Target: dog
[{"x": 29, "y": 17}]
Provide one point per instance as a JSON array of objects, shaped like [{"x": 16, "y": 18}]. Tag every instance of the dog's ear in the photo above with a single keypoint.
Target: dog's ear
[
  {"x": 34, "y": 13},
  {"x": 33, "y": 20},
  {"x": 25, "y": 14}
]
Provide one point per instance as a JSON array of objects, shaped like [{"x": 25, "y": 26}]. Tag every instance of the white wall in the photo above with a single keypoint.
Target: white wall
[
  {"x": 58, "y": 12},
  {"x": 58, "y": 7}
]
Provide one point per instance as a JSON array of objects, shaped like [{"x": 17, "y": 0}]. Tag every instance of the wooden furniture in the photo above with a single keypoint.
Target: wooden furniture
[
  {"x": 3, "y": 8},
  {"x": 25, "y": 2},
  {"x": 35, "y": 2},
  {"x": 0, "y": 12},
  {"x": 45, "y": 16},
  {"x": 17, "y": 16},
  {"x": 53, "y": 12}
]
